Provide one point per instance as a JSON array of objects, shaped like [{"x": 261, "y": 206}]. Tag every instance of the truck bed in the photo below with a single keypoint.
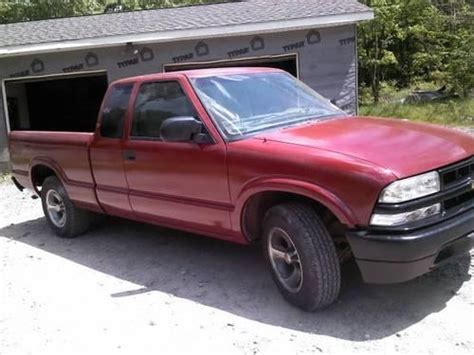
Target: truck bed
[{"x": 66, "y": 153}]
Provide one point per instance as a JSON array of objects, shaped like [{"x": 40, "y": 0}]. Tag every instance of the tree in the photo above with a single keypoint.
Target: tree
[
  {"x": 16, "y": 11},
  {"x": 417, "y": 40},
  {"x": 374, "y": 40},
  {"x": 458, "y": 57}
]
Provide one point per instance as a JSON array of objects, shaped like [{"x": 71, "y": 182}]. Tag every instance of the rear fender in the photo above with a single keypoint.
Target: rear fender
[{"x": 51, "y": 164}]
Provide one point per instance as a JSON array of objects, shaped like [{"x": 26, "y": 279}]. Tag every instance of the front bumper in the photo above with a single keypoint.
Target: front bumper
[{"x": 398, "y": 257}]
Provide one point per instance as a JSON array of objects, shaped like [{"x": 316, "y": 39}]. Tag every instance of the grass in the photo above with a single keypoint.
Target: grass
[
  {"x": 4, "y": 177},
  {"x": 458, "y": 112}
]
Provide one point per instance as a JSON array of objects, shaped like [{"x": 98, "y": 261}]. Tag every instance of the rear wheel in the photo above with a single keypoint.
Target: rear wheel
[
  {"x": 66, "y": 220},
  {"x": 301, "y": 255}
]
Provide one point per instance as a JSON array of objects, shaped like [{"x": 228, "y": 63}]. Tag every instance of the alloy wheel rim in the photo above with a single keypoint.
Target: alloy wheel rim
[
  {"x": 285, "y": 260},
  {"x": 56, "y": 208}
]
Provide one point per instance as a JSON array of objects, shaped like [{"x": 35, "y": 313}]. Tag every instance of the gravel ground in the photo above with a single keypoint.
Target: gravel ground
[
  {"x": 469, "y": 130},
  {"x": 128, "y": 288}
]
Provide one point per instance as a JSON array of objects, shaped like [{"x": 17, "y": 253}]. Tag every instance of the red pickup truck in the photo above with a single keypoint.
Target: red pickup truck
[{"x": 253, "y": 155}]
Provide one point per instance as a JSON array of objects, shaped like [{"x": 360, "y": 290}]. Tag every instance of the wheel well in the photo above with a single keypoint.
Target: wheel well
[
  {"x": 258, "y": 205},
  {"x": 39, "y": 173}
]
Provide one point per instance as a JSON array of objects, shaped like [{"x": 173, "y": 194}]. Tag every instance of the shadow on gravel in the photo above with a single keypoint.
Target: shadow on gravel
[{"x": 234, "y": 279}]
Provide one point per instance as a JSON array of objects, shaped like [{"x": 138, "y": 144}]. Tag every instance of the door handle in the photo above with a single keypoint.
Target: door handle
[{"x": 129, "y": 155}]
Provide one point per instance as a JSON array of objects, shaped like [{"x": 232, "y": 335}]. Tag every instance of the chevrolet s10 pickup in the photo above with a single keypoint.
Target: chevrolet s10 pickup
[{"x": 252, "y": 155}]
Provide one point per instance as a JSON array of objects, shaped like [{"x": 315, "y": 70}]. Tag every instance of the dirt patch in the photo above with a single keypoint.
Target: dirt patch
[{"x": 132, "y": 288}]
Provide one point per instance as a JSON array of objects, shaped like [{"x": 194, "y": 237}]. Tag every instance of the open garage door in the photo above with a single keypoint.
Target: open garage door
[
  {"x": 55, "y": 103},
  {"x": 287, "y": 63}
]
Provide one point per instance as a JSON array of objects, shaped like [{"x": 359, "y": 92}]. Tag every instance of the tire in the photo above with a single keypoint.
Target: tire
[
  {"x": 75, "y": 222},
  {"x": 310, "y": 252}
]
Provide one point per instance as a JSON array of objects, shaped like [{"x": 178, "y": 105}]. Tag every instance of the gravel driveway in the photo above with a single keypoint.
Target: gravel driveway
[{"x": 128, "y": 288}]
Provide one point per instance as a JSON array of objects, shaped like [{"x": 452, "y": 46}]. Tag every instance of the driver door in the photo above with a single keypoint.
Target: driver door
[{"x": 179, "y": 184}]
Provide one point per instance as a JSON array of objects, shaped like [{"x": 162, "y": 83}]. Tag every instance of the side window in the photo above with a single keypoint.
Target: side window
[
  {"x": 155, "y": 103},
  {"x": 113, "y": 116}
]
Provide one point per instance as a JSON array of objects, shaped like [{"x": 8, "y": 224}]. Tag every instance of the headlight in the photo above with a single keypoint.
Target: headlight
[
  {"x": 405, "y": 217},
  {"x": 411, "y": 188}
]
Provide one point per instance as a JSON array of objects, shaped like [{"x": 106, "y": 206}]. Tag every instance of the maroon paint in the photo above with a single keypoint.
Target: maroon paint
[{"x": 342, "y": 163}]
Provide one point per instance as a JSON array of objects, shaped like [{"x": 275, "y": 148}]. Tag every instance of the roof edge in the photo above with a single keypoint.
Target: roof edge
[{"x": 188, "y": 34}]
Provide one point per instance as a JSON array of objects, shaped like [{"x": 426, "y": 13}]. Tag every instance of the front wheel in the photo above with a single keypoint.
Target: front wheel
[
  {"x": 301, "y": 255},
  {"x": 66, "y": 220}
]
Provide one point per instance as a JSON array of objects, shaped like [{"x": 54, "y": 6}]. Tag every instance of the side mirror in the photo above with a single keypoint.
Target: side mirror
[{"x": 181, "y": 129}]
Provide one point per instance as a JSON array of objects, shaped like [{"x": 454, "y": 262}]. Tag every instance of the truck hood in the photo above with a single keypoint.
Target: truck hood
[{"x": 405, "y": 148}]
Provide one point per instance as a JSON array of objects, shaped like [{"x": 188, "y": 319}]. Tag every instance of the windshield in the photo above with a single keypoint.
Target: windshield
[{"x": 243, "y": 104}]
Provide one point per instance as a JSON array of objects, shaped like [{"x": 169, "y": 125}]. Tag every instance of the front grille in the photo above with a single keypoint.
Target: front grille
[
  {"x": 459, "y": 200},
  {"x": 459, "y": 178},
  {"x": 457, "y": 173}
]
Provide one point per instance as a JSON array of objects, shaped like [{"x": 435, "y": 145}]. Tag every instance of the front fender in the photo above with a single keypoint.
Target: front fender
[{"x": 303, "y": 188}]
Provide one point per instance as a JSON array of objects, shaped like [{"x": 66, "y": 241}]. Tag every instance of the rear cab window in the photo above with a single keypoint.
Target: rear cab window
[{"x": 115, "y": 110}]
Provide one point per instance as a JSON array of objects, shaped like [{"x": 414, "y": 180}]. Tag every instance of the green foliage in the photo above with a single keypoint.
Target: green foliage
[
  {"x": 412, "y": 40},
  {"x": 16, "y": 11},
  {"x": 43, "y": 9},
  {"x": 453, "y": 112},
  {"x": 4, "y": 177},
  {"x": 460, "y": 65},
  {"x": 153, "y": 4}
]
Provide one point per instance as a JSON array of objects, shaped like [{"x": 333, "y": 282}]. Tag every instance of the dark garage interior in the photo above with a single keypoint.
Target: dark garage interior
[{"x": 68, "y": 103}]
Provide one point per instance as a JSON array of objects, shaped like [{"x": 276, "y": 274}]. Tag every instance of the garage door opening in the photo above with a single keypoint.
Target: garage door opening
[
  {"x": 288, "y": 63},
  {"x": 66, "y": 103}
]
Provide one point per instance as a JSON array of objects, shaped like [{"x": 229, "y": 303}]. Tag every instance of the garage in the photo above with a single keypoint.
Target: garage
[
  {"x": 53, "y": 73},
  {"x": 55, "y": 103}
]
